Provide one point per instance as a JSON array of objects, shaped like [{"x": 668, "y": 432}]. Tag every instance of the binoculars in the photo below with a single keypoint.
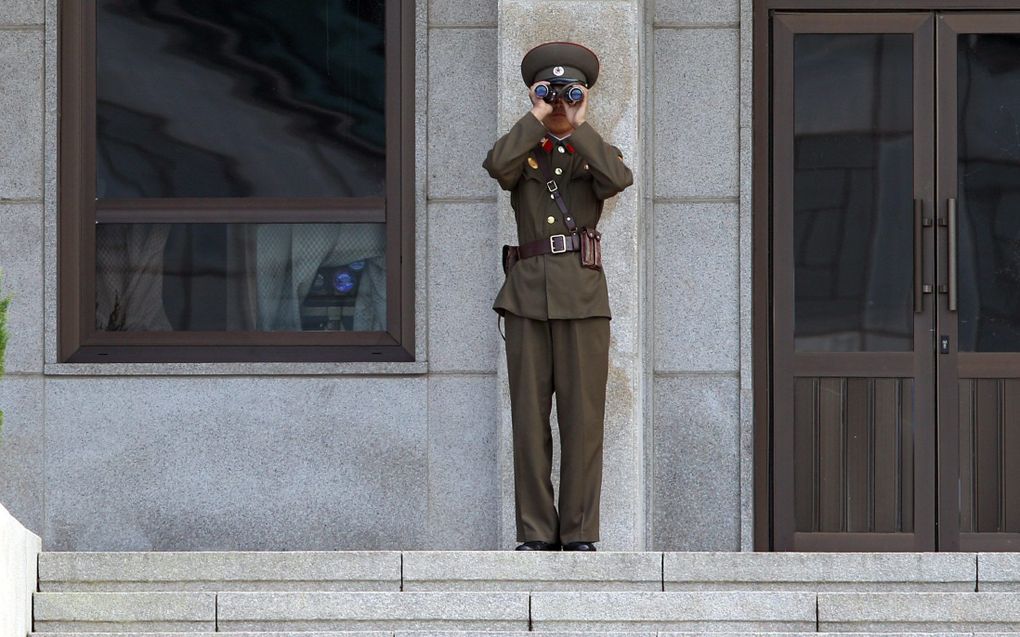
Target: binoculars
[{"x": 569, "y": 93}]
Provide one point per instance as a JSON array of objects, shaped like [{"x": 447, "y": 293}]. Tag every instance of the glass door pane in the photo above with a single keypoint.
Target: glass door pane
[
  {"x": 988, "y": 177},
  {"x": 853, "y": 191}
]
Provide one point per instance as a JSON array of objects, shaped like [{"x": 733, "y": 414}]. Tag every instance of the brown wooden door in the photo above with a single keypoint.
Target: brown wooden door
[
  {"x": 853, "y": 391},
  {"x": 895, "y": 288},
  {"x": 978, "y": 123}
]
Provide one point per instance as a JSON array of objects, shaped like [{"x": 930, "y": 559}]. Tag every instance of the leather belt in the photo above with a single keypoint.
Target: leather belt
[{"x": 555, "y": 244}]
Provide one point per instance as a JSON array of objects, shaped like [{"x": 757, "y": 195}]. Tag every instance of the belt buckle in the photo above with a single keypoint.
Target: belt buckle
[
  {"x": 551, "y": 185},
  {"x": 552, "y": 243}
]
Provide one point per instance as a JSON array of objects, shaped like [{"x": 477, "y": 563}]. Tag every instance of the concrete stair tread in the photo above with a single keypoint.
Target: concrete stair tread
[
  {"x": 220, "y": 570},
  {"x": 512, "y": 570},
  {"x": 455, "y": 633},
  {"x": 479, "y": 611},
  {"x": 505, "y": 593}
]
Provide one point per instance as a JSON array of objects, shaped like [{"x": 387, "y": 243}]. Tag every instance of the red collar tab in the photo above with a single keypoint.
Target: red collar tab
[{"x": 547, "y": 145}]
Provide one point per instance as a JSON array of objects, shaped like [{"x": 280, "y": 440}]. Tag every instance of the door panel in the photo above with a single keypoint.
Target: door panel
[
  {"x": 989, "y": 434},
  {"x": 853, "y": 371},
  {"x": 867, "y": 421},
  {"x": 979, "y": 374}
]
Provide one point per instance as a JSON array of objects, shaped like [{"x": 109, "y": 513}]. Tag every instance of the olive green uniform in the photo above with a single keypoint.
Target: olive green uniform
[{"x": 557, "y": 327}]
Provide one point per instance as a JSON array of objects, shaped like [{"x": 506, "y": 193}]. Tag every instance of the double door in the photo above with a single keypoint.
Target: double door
[{"x": 895, "y": 281}]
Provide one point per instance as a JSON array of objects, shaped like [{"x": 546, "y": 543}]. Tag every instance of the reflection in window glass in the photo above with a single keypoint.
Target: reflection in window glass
[
  {"x": 853, "y": 201},
  {"x": 988, "y": 170},
  {"x": 240, "y": 277},
  {"x": 240, "y": 98}
]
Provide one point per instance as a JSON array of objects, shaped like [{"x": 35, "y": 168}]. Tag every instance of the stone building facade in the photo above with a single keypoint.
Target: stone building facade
[{"x": 416, "y": 454}]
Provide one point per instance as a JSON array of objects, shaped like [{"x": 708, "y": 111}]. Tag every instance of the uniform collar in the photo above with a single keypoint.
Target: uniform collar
[{"x": 551, "y": 140}]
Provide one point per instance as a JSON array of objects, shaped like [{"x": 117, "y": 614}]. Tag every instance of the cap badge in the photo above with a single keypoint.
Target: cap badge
[{"x": 557, "y": 71}]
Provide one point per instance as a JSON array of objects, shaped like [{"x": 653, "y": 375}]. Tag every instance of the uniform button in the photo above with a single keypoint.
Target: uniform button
[
  {"x": 561, "y": 149},
  {"x": 559, "y": 171},
  {"x": 551, "y": 219}
]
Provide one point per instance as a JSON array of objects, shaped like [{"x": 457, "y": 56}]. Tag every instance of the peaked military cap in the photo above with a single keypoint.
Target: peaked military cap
[{"x": 560, "y": 62}]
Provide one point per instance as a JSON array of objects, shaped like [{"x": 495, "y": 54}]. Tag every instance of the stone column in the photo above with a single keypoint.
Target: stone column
[{"x": 612, "y": 29}]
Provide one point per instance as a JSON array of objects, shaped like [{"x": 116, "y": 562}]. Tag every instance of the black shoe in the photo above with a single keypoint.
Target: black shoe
[
  {"x": 579, "y": 546},
  {"x": 538, "y": 545}
]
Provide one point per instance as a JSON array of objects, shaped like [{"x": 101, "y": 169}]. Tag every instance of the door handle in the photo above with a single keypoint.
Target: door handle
[
  {"x": 951, "y": 232},
  {"x": 920, "y": 222},
  {"x": 918, "y": 255}
]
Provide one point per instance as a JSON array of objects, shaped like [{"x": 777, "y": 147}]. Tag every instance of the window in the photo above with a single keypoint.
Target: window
[{"x": 236, "y": 180}]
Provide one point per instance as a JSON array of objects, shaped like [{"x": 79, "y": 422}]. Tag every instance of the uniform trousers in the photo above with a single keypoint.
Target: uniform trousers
[{"x": 568, "y": 357}]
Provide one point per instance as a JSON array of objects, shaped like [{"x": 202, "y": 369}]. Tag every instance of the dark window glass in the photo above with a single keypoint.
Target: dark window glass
[
  {"x": 240, "y": 277},
  {"x": 240, "y": 98},
  {"x": 853, "y": 203},
  {"x": 988, "y": 169}
]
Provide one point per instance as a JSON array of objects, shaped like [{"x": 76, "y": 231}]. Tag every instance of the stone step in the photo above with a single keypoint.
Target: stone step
[
  {"x": 739, "y": 611},
  {"x": 360, "y": 633},
  {"x": 531, "y": 571},
  {"x": 276, "y": 610},
  {"x": 933, "y": 572},
  {"x": 326, "y": 633},
  {"x": 107, "y": 611},
  {"x": 456, "y": 633},
  {"x": 517, "y": 571},
  {"x": 461, "y": 633},
  {"x": 433, "y": 610},
  {"x": 998, "y": 571},
  {"x": 475, "y": 611},
  {"x": 511, "y": 634},
  {"x": 220, "y": 571},
  {"x": 465, "y": 611},
  {"x": 888, "y": 612}
]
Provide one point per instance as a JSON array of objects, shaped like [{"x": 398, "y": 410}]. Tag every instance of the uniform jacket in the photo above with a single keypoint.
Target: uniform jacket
[{"x": 555, "y": 286}]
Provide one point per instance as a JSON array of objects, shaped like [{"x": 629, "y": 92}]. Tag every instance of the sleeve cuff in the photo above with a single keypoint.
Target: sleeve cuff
[
  {"x": 531, "y": 124},
  {"x": 586, "y": 139}
]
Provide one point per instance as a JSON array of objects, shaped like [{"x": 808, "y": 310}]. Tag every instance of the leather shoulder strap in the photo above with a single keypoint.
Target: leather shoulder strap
[{"x": 543, "y": 164}]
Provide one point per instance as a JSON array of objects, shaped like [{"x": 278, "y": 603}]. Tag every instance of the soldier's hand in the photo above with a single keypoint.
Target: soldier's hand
[
  {"x": 539, "y": 107},
  {"x": 577, "y": 113}
]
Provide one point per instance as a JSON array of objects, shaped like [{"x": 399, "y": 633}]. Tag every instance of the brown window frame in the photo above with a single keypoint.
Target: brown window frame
[{"x": 78, "y": 213}]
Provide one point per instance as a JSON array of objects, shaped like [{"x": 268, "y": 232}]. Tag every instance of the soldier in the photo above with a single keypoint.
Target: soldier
[{"x": 554, "y": 301}]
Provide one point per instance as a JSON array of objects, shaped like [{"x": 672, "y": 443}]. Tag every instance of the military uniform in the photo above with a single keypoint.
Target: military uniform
[{"x": 556, "y": 310}]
